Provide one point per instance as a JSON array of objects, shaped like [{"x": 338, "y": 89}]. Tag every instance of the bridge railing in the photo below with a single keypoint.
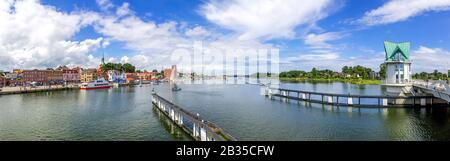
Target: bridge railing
[
  {"x": 437, "y": 85},
  {"x": 201, "y": 130},
  {"x": 349, "y": 99}
]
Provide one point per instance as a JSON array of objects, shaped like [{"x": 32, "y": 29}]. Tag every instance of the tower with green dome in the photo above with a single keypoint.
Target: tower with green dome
[{"x": 398, "y": 66}]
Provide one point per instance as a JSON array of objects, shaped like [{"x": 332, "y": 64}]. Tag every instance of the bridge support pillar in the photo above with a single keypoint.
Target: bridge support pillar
[
  {"x": 203, "y": 134},
  {"x": 330, "y": 99},
  {"x": 180, "y": 119},
  {"x": 385, "y": 102},
  {"x": 194, "y": 130},
  {"x": 423, "y": 101}
]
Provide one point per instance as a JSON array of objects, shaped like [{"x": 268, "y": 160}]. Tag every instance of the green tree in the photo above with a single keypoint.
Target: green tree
[
  {"x": 128, "y": 68},
  {"x": 314, "y": 73},
  {"x": 383, "y": 70}
]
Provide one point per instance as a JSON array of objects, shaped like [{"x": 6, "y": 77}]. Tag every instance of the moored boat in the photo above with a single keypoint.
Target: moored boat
[{"x": 97, "y": 84}]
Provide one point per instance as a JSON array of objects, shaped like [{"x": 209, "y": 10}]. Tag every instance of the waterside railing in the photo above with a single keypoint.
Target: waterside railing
[
  {"x": 199, "y": 129},
  {"x": 350, "y": 99}
]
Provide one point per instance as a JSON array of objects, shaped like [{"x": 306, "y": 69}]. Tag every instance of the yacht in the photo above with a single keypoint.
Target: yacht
[{"x": 97, "y": 84}]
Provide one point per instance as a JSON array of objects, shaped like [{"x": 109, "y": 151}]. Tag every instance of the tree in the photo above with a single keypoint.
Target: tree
[
  {"x": 155, "y": 71},
  {"x": 383, "y": 70},
  {"x": 314, "y": 72},
  {"x": 128, "y": 68}
]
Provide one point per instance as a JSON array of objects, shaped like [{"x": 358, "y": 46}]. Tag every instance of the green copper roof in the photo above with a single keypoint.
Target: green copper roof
[{"x": 393, "y": 48}]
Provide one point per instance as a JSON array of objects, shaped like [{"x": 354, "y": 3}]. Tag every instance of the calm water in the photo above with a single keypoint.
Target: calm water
[{"x": 127, "y": 114}]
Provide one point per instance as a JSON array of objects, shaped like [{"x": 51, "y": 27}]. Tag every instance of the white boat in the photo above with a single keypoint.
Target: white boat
[{"x": 97, "y": 84}]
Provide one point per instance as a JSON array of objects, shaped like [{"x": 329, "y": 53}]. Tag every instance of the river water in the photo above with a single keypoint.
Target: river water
[{"x": 127, "y": 114}]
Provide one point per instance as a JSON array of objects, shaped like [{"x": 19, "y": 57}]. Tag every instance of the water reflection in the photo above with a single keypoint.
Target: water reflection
[{"x": 170, "y": 127}]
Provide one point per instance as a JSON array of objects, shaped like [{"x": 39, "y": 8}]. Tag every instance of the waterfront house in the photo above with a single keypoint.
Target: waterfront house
[
  {"x": 147, "y": 76},
  {"x": 71, "y": 75},
  {"x": 38, "y": 76},
  {"x": 116, "y": 76},
  {"x": 88, "y": 75},
  {"x": 132, "y": 77},
  {"x": 55, "y": 76}
]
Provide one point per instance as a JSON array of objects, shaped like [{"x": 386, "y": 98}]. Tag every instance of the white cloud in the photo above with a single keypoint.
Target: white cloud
[
  {"x": 197, "y": 32},
  {"x": 38, "y": 36},
  {"x": 104, "y": 4},
  {"x": 428, "y": 59},
  {"x": 331, "y": 60},
  {"x": 318, "y": 57},
  {"x": 321, "y": 40},
  {"x": 124, "y": 10},
  {"x": 265, "y": 18},
  {"x": 400, "y": 10},
  {"x": 140, "y": 35}
]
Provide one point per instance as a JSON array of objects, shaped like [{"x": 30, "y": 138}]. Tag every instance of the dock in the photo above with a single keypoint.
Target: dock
[
  {"x": 198, "y": 128},
  {"x": 19, "y": 90},
  {"x": 352, "y": 99}
]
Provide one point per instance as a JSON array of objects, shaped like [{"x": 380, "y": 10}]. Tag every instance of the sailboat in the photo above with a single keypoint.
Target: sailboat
[{"x": 176, "y": 88}]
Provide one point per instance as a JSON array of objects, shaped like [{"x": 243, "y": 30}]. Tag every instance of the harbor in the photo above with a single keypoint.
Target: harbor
[{"x": 128, "y": 114}]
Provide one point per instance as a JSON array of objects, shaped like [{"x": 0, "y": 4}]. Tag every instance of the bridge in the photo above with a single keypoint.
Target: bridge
[
  {"x": 352, "y": 99},
  {"x": 439, "y": 89},
  {"x": 194, "y": 125}
]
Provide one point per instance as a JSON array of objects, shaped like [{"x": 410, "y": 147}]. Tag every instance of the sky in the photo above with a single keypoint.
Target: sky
[{"x": 326, "y": 34}]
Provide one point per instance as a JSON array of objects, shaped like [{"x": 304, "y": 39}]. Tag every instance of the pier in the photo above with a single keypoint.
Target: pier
[
  {"x": 353, "y": 100},
  {"x": 194, "y": 125},
  {"x": 23, "y": 90}
]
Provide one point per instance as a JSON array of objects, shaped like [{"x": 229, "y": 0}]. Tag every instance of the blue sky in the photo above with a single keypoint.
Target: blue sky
[{"x": 310, "y": 33}]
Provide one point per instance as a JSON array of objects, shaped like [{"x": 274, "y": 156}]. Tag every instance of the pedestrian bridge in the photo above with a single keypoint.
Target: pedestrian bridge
[
  {"x": 198, "y": 128},
  {"x": 439, "y": 89}
]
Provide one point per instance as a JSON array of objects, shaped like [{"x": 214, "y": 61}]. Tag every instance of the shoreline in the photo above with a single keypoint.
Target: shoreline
[{"x": 352, "y": 81}]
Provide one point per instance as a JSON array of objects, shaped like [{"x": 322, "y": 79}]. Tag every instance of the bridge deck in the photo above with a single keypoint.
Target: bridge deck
[
  {"x": 351, "y": 99},
  {"x": 201, "y": 130},
  {"x": 439, "y": 89}
]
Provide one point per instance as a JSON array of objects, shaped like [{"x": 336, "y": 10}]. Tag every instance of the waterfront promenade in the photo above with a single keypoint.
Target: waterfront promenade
[{"x": 21, "y": 90}]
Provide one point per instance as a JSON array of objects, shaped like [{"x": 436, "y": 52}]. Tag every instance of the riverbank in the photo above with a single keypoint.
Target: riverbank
[
  {"x": 323, "y": 80},
  {"x": 23, "y": 90}
]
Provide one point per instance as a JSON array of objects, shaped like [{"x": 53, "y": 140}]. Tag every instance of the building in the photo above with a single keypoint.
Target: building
[
  {"x": 398, "y": 67},
  {"x": 374, "y": 75},
  {"x": 147, "y": 76},
  {"x": 71, "y": 75},
  {"x": 55, "y": 76},
  {"x": 11, "y": 76},
  {"x": 38, "y": 76},
  {"x": 170, "y": 74},
  {"x": 116, "y": 76},
  {"x": 17, "y": 71},
  {"x": 88, "y": 75},
  {"x": 131, "y": 77},
  {"x": 2, "y": 81}
]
